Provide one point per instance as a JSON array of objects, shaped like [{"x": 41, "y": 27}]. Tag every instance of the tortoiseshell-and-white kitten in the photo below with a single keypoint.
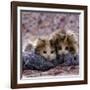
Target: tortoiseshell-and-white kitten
[
  {"x": 66, "y": 42},
  {"x": 46, "y": 48}
]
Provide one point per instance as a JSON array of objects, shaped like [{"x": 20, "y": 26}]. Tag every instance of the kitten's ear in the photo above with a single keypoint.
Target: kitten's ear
[
  {"x": 52, "y": 42},
  {"x": 40, "y": 42},
  {"x": 72, "y": 37}
]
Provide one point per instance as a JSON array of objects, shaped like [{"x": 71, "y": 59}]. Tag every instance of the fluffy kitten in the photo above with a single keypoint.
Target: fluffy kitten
[
  {"x": 66, "y": 42},
  {"x": 46, "y": 48}
]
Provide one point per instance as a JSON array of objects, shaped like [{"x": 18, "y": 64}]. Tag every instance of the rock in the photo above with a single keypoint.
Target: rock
[
  {"x": 68, "y": 59},
  {"x": 35, "y": 62}
]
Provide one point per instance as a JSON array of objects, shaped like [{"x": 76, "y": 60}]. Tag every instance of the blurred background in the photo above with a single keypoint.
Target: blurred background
[{"x": 44, "y": 23}]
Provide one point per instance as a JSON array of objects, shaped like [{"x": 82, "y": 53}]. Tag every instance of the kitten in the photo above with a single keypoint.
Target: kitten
[
  {"x": 66, "y": 42},
  {"x": 46, "y": 48}
]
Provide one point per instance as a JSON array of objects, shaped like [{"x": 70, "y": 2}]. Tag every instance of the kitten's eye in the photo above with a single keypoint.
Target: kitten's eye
[
  {"x": 44, "y": 52},
  {"x": 52, "y": 51},
  {"x": 67, "y": 48},
  {"x": 59, "y": 47}
]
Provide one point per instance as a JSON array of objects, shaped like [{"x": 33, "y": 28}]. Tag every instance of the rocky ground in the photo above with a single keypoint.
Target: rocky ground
[{"x": 58, "y": 70}]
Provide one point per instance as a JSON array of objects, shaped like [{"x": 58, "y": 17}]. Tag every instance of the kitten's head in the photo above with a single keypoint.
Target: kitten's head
[
  {"x": 46, "y": 48},
  {"x": 66, "y": 43},
  {"x": 62, "y": 46}
]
